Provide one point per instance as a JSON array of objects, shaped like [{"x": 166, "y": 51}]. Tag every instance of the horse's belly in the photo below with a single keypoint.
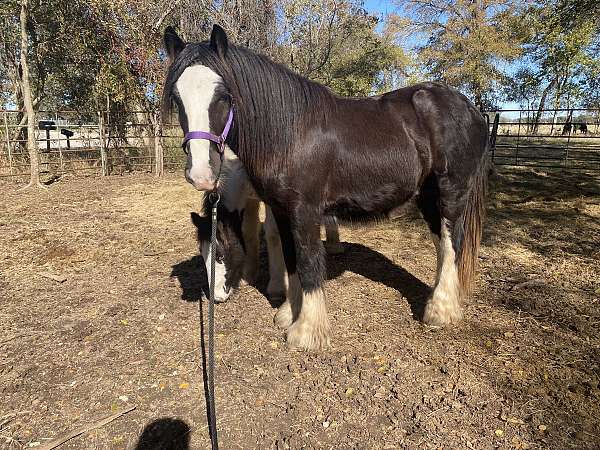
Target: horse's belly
[{"x": 369, "y": 205}]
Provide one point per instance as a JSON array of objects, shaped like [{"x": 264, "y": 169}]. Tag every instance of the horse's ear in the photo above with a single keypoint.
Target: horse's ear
[
  {"x": 203, "y": 225},
  {"x": 173, "y": 43},
  {"x": 218, "y": 40}
]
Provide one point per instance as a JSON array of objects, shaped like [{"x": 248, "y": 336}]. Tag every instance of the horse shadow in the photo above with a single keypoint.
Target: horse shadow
[
  {"x": 356, "y": 258},
  {"x": 165, "y": 434}
]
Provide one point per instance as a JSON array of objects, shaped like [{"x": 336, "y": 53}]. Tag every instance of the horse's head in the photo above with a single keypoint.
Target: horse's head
[
  {"x": 229, "y": 255},
  {"x": 203, "y": 101}
]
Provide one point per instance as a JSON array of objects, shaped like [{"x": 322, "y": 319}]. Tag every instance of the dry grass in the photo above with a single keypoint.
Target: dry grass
[{"x": 522, "y": 370}]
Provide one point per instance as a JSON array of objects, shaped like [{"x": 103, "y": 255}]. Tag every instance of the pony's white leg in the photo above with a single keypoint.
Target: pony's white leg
[
  {"x": 332, "y": 236},
  {"x": 222, "y": 292},
  {"x": 444, "y": 305},
  {"x": 250, "y": 229},
  {"x": 277, "y": 287}
]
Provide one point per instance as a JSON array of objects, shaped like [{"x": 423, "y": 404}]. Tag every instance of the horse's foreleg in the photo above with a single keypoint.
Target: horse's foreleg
[
  {"x": 250, "y": 229},
  {"x": 306, "y": 267},
  {"x": 332, "y": 236}
]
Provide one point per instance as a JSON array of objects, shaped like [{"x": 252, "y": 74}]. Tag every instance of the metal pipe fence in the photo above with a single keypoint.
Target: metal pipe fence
[
  {"x": 93, "y": 144},
  {"x": 97, "y": 144},
  {"x": 552, "y": 138}
]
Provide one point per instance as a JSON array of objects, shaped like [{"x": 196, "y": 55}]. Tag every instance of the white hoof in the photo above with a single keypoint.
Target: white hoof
[
  {"x": 312, "y": 337},
  {"x": 283, "y": 317},
  {"x": 439, "y": 313}
]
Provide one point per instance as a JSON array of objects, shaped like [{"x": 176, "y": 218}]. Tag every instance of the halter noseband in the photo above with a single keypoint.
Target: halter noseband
[{"x": 219, "y": 140}]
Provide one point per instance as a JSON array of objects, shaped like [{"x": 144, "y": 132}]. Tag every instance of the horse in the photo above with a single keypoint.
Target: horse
[{"x": 309, "y": 154}]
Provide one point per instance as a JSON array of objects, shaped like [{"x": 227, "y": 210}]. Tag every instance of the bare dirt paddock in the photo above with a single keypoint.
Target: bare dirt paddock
[{"x": 521, "y": 371}]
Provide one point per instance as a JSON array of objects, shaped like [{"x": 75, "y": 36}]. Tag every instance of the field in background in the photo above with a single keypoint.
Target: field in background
[{"x": 520, "y": 372}]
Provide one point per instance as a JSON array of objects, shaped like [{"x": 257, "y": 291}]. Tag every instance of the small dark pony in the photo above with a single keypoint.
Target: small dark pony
[{"x": 308, "y": 153}]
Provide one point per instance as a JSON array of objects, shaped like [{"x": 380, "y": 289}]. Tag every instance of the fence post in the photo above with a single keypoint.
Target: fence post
[
  {"x": 10, "y": 166},
  {"x": 60, "y": 155},
  {"x": 158, "y": 146},
  {"x": 518, "y": 139},
  {"x": 102, "y": 144}
]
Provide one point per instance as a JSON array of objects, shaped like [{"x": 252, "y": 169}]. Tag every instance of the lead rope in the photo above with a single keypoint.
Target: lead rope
[{"x": 212, "y": 419}]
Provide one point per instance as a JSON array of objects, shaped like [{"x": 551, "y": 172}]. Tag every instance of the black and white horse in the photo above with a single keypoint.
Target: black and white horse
[{"x": 308, "y": 153}]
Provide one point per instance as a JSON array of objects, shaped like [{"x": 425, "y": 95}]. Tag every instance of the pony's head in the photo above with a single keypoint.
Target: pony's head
[
  {"x": 229, "y": 255},
  {"x": 203, "y": 102}
]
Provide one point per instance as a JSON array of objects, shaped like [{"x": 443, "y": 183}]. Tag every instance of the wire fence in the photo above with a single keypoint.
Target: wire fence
[
  {"x": 553, "y": 138},
  {"x": 137, "y": 141}
]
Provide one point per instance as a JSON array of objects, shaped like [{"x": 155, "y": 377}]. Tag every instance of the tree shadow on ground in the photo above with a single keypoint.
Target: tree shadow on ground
[
  {"x": 165, "y": 434},
  {"x": 356, "y": 258},
  {"x": 543, "y": 212}
]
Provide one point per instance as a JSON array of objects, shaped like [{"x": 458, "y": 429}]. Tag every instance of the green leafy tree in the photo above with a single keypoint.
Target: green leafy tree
[
  {"x": 560, "y": 48},
  {"x": 337, "y": 44},
  {"x": 468, "y": 42}
]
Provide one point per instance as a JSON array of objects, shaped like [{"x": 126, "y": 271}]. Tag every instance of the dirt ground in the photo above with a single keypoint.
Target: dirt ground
[{"x": 521, "y": 371}]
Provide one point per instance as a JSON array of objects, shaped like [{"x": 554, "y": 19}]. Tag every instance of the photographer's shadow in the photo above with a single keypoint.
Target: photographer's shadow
[{"x": 165, "y": 434}]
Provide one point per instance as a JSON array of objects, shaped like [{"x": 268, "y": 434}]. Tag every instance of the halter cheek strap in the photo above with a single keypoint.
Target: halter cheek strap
[{"x": 219, "y": 140}]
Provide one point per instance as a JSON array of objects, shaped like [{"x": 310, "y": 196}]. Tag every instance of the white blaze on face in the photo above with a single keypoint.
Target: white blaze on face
[
  {"x": 221, "y": 291},
  {"x": 196, "y": 87}
]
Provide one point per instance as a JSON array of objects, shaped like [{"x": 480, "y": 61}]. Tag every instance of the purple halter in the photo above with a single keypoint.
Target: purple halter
[{"x": 219, "y": 140}]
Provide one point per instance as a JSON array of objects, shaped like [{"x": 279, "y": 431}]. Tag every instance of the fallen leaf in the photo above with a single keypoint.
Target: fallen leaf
[
  {"x": 350, "y": 392},
  {"x": 184, "y": 385},
  {"x": 542, "y": 428},
  {"x": 499, "y": 432}
]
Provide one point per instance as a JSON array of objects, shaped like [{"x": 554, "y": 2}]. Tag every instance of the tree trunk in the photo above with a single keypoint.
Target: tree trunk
[
  {"x": 34, "y": 158},
  {"x": 538, "y": 115}
]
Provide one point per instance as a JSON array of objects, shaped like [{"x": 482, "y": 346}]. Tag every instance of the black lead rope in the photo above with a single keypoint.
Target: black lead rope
[{"x": 212, "y": 419}]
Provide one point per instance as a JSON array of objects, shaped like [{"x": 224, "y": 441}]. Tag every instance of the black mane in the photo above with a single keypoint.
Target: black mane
[{"x": 271, "y": 103}]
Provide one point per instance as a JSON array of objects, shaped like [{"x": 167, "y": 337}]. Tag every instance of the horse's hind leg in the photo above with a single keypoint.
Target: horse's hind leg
[
  {"x": 250, "y": 229},
  {"x": 443, "y": 307},
  {"x": 277, "y": 287},
  {"x": 332, "y": 236}
]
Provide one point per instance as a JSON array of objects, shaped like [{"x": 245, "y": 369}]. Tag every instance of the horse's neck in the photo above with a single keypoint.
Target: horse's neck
[{"x": 235, "y": 186}]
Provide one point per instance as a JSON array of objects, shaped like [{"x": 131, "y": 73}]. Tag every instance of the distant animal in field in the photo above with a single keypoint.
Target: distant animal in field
[
  {"x": 567, "y": 128},
  {"x": 310, "y": 154},
  {"x": 583, "y": 128}
]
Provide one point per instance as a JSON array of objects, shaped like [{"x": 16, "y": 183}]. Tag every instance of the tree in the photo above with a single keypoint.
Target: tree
[
  {"x": 26, "y": 91},
  {"x": 560, "y": 48},
  {"x": 468, "y": 42},
  {"x": 337, "y": 44}
]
